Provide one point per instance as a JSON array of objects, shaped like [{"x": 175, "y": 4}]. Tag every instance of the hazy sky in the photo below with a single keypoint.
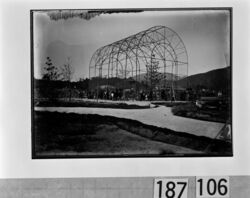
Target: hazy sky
[{"x": 204, "y": 33}]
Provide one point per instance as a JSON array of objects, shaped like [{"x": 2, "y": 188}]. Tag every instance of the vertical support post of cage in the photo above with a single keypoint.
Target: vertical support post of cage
[
  {"x": 89, "y": 71},
  {"x": 100, "y": 71},
  {"x": 164, "y": 59},
  {"x": 176, "y": 79},
  {"x": 95, "y": 70},
  {"x": 187, "y": 75},
  {"x": 139, "y": 71},
  {"x": 116, "y": 68},
  {"x": 126, "y": 66},
  {"x": 89, "y": 78},
  {"x": 98, "y": 82},
  {"x": 136, "y": 65},
  {"x": 125, "y": 76},
  {"x": 95, "y": 83},
  {"x": 112, "y": 66},
  {"x": 136, "y": 75},
  {"x": 150, "y": 70},
  {"x": 172, "y": 82},
  {"x": 107, "y": 96},
  {"x": 108, "y": 67},
  {"x": 132, "y": 68}
]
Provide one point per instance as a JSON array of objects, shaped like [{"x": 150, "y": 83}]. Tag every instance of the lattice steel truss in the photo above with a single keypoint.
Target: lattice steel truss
[{"x": 127, "y": 58}]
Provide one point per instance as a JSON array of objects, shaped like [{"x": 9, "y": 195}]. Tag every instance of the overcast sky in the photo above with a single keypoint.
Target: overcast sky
[{"x": 204, "y": 33}]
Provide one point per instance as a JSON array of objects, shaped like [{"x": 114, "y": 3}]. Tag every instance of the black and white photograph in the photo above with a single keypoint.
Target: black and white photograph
[{"x": 131, "y": 83}]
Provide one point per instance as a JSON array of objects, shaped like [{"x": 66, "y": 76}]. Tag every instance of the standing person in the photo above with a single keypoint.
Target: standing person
[{"x": 112, "y": 95}]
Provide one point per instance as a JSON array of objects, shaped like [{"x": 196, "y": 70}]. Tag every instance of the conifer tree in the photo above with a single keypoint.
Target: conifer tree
[
  {"x": 152, "y": 75},
  {"x": 50, "y": 71}
]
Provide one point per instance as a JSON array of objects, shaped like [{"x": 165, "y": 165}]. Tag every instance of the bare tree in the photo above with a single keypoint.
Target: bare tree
[
  {"x": 67, "y": 74},
  {"x": 67, "y": 71}
]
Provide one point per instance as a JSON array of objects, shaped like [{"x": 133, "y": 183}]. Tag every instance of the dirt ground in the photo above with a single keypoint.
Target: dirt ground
[{"x": 111, "y": 140}]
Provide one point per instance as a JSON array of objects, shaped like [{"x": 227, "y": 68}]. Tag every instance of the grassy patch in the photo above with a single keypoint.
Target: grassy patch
[
  {"x": 89, "y": 135},
  {"x": 191, "y": 111}
]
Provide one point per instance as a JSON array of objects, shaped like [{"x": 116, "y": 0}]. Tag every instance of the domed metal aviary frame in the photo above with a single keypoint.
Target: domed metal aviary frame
[{"x": 129, "y": 58}]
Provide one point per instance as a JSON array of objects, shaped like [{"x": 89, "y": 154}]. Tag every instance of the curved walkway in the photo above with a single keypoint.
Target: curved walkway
[{"x": 160, "y": 116}]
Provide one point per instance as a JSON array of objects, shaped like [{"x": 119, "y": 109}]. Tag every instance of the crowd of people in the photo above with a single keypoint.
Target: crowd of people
[
  {"x": 149, "y": 95},
  {"x": 131, "y": 94}
]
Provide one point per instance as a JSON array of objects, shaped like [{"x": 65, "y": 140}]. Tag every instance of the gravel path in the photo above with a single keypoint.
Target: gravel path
[{"x": 160, "y": 116}]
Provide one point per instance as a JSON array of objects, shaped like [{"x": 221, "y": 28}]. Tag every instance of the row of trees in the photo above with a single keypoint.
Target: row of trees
[
  {"x": 52, "y": 72},
  {"x": 64, "y": 73}
]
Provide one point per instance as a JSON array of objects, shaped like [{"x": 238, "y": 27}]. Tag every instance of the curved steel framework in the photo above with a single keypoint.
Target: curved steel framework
[{"x": 128, "y": 58}]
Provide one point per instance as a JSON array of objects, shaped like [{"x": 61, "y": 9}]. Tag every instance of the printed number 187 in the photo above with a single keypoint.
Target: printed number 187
[{"x": 170, "y": 188}]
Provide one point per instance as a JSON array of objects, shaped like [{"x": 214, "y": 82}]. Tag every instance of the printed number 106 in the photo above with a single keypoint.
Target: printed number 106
[{"x": 212, "y": 187}]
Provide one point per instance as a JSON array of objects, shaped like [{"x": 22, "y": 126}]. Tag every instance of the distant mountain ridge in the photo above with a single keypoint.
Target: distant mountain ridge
[
  {"x": 169, "y": 76},
  {"x": 218, "y": 79}
]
